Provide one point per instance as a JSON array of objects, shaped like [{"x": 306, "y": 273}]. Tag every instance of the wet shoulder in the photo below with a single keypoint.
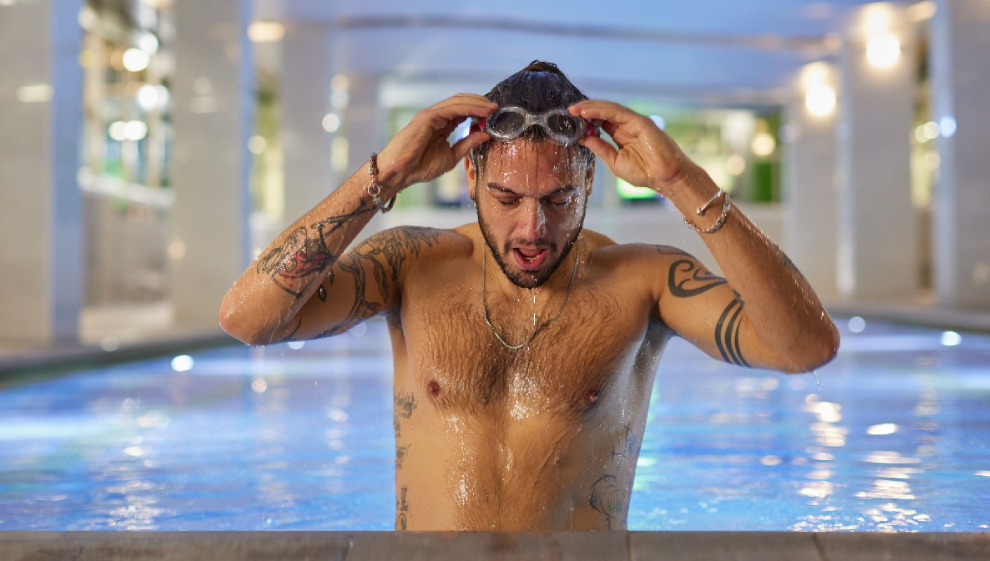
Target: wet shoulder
[{"x": 632, "y": 257}]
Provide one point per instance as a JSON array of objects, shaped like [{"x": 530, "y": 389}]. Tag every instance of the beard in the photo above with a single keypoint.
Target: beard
[{"x": 529, "y": 279}]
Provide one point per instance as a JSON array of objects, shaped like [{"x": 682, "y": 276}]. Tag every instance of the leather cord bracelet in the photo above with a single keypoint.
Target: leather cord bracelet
[{"x": 375, "y": 189}]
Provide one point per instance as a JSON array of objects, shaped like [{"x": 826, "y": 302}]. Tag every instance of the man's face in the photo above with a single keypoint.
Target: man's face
[{"x": 531, "y": 199}]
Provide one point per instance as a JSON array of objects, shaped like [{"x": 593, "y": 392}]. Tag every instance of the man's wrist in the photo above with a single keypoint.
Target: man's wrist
[{"x": 690, "y": 189}]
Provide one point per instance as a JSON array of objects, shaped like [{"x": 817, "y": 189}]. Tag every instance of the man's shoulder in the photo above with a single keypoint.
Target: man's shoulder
[
  {"x": 416, "y": 242},
  {"x": 605, "y": 248}
]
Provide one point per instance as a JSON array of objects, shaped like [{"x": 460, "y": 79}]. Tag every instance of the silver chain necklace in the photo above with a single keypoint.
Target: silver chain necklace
[{"x": 484, "y": 304}]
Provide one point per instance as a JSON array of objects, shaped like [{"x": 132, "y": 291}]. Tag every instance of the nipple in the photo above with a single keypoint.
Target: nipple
[
  {"x": 433, "y": 388},
  {"x": 591, "y": 398}
]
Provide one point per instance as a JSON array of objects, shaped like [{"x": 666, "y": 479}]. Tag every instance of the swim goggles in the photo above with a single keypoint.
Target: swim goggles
[{"x": 510, "y": 122}]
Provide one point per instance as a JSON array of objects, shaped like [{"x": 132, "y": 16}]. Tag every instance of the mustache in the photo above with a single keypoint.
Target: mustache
[{"x": 537, "y": 244}]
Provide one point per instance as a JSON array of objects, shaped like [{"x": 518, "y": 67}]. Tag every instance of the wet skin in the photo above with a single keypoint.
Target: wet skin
[{"x": 544, "y": 437}]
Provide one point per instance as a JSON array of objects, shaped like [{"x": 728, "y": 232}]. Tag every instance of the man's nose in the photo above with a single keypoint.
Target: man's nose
[{"x": 534, "y": 219}]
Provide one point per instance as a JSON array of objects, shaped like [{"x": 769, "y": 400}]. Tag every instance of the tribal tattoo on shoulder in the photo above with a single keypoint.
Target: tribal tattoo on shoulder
[
  {"x": 727, "y": 333},
  {"x": 688, "y": 278}
]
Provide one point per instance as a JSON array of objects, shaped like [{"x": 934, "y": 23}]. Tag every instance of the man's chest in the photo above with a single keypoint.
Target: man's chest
[{"x": 455, "y": 356}]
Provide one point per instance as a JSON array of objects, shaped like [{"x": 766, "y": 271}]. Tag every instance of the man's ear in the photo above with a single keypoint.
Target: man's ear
[
  {"x": 472, "y": 179},
  {"x": 590, "y": 178}
]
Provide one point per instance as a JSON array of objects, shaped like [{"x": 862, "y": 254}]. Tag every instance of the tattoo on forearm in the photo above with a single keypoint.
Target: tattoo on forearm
[
  {"x": 783, "y": 257},
  {"x": 303, "y": 254},
  {"x": 727, "y": 333},
  {"x": 688, "y": 278}
]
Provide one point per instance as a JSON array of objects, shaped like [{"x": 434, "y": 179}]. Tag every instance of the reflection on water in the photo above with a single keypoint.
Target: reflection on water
[{"x": 898, "y": 439}]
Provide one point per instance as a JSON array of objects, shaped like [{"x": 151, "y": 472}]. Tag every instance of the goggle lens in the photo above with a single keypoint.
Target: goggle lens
[{"x": 505, "y": 123}]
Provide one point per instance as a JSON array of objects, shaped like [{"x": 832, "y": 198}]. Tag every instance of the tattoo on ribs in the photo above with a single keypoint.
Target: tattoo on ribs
[
  {"x": 303, "y": 254},
  {"x": 688, "y": 278},
  {"x": 606, "y": 498},
  {"x": 400, "y": 454},
  {"x": 727, "y": 333},
  {"x": 627, "y": 446},
  {"x": 401, "y": 508},
  {"x": 403, "y": 405}
]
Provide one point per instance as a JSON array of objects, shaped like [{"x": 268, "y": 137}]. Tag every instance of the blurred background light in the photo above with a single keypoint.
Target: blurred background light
[
  {"x": 857, "y": 324},
  {"x": 820, "y": 99},
  {"x": 34, "y": 93},
  {"x": 763, "y": 144},
  {"x": 883, "y": 50},
  {"x": 331, "y": 122},
  {"x": 951, "y": 338},
  {"x": 136, "y": 60},
  {"x": 947, "y": 125},
  {"x": 182, "y": 363},
  {"x": 266, "y": 31}
]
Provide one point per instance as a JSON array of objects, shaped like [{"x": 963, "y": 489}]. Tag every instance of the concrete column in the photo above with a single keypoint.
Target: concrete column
[
  {"x": 41, "y": 290},
  {"x": 363, "y": 132},
  {"x": 960, "y": 80},
  {"x": 878, "y": 230},
  {"x": 305, "y": 100},
  {"x": 810, "y": 221},
  {"x": 213, "y": 119}
]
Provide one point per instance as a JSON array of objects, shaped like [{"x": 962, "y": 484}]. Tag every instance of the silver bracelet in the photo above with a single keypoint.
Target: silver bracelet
[
  {"x": 375, "y": 189},
  {"x": 726, "y": 207}
]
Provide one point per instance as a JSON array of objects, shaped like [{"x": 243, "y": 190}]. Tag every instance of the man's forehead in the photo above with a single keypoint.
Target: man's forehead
[{"x": 529, "y": 157}]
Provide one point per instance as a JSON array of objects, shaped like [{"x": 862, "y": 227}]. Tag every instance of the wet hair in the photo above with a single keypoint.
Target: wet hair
[{"x": 538, "y": 88}]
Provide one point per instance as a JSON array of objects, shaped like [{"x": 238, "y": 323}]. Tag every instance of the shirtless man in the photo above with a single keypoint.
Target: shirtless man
[{"x": 525, "y": 349}]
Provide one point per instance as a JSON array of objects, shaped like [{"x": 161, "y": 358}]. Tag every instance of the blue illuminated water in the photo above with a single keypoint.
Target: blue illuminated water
[{"x": 297, "y": 439}]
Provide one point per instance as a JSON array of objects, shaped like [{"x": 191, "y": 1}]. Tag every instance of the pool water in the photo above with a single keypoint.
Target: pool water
[{"x": 897, "y": 438}]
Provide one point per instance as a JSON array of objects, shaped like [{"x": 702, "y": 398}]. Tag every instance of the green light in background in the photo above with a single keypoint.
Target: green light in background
[{"x": 629, "y": 191}]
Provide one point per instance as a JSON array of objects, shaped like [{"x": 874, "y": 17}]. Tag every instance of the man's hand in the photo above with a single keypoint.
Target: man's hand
[
  {"x": 420, "y": 151},
  {"x": 646, "y": 157}
]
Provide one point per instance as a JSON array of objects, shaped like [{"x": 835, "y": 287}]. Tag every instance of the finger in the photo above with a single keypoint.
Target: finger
[
  {"x": 464, "y": 107},
  {"x": 463, "y": 146},
  {"x": 467, "y": 97},
  {"x": 604, "y": 110},
  {"x": 602, "y": 149}
]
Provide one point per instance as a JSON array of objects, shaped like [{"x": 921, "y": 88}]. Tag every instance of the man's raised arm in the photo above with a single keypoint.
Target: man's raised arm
[
  {"x": 263, "y": 304},
  {"x": 766, "y": 311}
]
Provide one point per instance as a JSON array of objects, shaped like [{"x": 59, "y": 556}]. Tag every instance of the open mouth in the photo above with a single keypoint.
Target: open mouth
[{"x": 530, "y": 258}]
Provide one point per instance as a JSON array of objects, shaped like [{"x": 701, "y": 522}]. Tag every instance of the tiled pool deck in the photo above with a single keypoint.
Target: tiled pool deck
[{"x": 490, "y": 546}]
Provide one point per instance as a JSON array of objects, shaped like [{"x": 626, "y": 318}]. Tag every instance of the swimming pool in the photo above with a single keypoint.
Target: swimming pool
[{"x": 898, "y": 438}]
